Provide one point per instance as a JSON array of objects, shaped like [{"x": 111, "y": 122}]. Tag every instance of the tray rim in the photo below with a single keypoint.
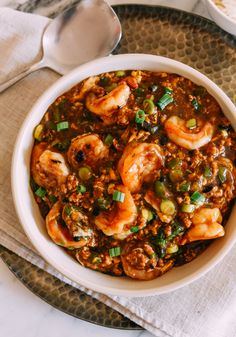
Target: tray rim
[
  {"x": 167, "y": 8},
  {"x": 27, "y": 285}
]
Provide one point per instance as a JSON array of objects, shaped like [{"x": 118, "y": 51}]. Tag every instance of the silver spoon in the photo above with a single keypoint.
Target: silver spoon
[{"x": 84, "y": 32}]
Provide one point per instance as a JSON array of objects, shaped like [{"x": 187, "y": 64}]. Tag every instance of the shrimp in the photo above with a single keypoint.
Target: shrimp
[
  {"x": 139, "y": 261},
  {"x": 76, "y": 221},
  {"x": 86, "y": 86},
  {"x": 139, "y": 163},
  {"x": 179, "y": 133},
  {"x": 206, "y": 225},
  {"x": 86, "y": 149},
  {"x": 48, "y": 168},
  {"x": 112, "y": 222},
  {"x": 58, "y": 232},
  {"x": 106, "y": 105}
]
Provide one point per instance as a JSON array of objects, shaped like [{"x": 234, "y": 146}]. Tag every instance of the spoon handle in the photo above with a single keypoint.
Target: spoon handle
[{"x": 18, "y": 77}]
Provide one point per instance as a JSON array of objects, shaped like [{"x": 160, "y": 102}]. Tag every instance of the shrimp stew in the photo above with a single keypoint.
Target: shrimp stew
[{"x": 134, "y": 172}]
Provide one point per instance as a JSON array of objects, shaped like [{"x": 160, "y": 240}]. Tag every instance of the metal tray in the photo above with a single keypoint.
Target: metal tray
[{"x": 182, "y": 36}]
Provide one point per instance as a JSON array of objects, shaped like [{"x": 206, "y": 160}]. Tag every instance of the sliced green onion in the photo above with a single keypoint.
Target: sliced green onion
[
  {"x": 154, "y": 88},
  {"x": 188, "y": 208},
  {"x": 176, "y": 175},
  {"x": 224, "y": 133},
  {"x": 160, "y": 240},
  {"x": 134, "y": 229},
  {"x": 160, "y": 189},
  {"x": 41, "y": 192},
  {"x": 85, "y": 173},
  {"x": 195, "y": 104},
  {"x": 120, "y": 73},
  {"x": 154, "y": 129},
  {"x": 52, "y": 198},
  {"x": 118, "y": 196},
  {"x": 33, "y": 185},
  {"x": 104, "y": 81},
  {"x": 197, "y": 198},
  {"x": 207, "y": 172},
  {"x": 138, "y": 92},
  {"x": 173, "y": 163},
  {"x": 153, "y": 256},
  {"x": 172, "y": 248},
  {"x": 96, "y": 260},
  {"x": 167, "y": 207},
  {"x": 176, "y": 230},
  {"x": 115, "y": 251},
  {"x": 148, "y": 106},
  {"x": 140, "y": 117},
  {"x": 222, "y": 174},
  {"x": 165, "y": 100},
  {"x": 162, "y": 252},
  {"x": 38, "y": 132},
  {"x": 150, "y": 216},
  {"x": 184, "y": 186},
  {"x": 147, "y": 214},
  {"x": 68, "y": 210},
  {"x": 103, "y": 203},
  {"x": 111, "y": 87},
  {"x": 168, "y": 91},
  {"x": 81, "y": 189},
  {"x": 108, "y": 140},
  {"x": 62, "y": 126},
  {"x": 191, "y": 123}
]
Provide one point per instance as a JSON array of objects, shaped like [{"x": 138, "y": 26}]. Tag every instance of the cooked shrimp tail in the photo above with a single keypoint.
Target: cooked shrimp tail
[
  {"x": 48, "y": 168},
  {"x": 58, "y": 232},
  {"x": 106, "y": 105},
  {"x": 86, "y": 86},
  {"x": 206, "y": 225},
  {"x": 76, "y": 221}
]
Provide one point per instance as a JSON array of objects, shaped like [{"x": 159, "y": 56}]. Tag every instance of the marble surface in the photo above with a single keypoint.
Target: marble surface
[{"x": 21, "y": 312}]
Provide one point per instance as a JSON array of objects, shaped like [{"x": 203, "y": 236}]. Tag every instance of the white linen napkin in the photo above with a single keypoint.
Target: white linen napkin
[
  {"x": 206, "y": 307},
  {"x": 20, "y": 39}
]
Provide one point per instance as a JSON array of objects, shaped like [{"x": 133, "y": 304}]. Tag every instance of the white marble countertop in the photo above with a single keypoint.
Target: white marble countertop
[{"x": 21, "y": 312}]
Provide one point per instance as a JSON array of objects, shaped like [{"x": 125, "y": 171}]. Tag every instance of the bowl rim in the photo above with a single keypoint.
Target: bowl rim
[
  {"x": 15, "y": 185},
  {"x": 220, "y": 12}
]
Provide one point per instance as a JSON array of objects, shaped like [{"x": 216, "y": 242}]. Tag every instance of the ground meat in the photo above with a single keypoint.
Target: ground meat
[{"x": 98, "y": 188}]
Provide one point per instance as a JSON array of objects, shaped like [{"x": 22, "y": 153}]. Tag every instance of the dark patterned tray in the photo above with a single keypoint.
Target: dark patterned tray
[{"x": 186, "y": 37}]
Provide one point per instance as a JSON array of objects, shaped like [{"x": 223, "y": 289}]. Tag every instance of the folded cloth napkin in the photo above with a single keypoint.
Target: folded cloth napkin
[
  {"x": 21, "y": 36},
  {"x": 206, "y": 307}
]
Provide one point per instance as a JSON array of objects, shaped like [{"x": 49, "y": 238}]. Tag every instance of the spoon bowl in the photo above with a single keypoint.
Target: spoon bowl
[{"x": 84, "y": 32}]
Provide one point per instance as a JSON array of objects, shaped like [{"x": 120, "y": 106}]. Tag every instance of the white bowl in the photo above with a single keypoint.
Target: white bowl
[
  {"x": 33, "y": 223},
  {"x": 221, "y": 19}
]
